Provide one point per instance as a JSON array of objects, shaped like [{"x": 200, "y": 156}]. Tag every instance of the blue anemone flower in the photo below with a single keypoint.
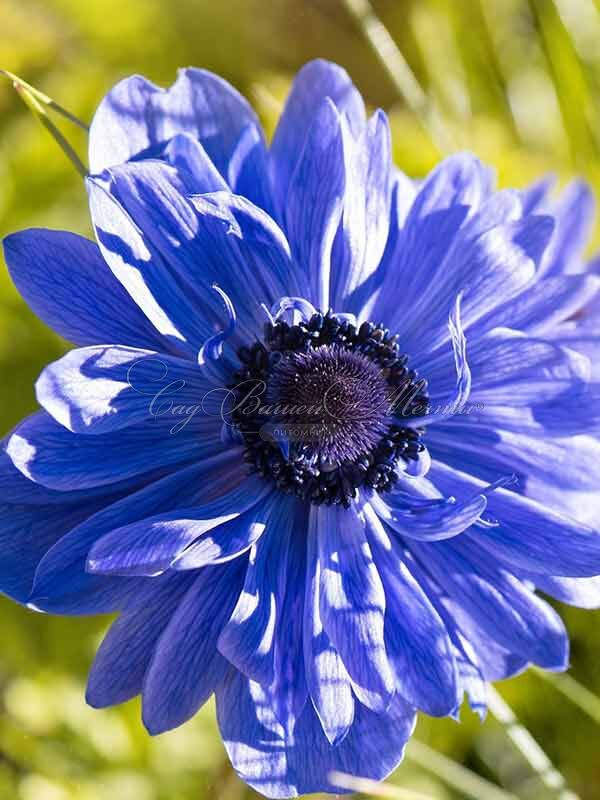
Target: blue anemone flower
[{"x": 295, "y": 444}]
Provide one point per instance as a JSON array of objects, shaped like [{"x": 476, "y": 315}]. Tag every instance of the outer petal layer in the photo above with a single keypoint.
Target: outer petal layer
[
  {"x": 281, "y": 768},
  {"x": 137, "y": 116},
  {"x": 67, "y": 283}
]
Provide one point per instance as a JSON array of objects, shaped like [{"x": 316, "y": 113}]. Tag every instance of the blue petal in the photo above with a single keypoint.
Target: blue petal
[
  {"x": 499, "y": 208},
  {"x": 197, "y": 171},
  {"x": 574, "y": 214},
  {"x": 558, "y": 420},
  {"x": 486, "y": 212},
  {"x": 471, "y": 680},
  {"x": 582, "y": 506},
  {"x": 515, "y": 369},
  {"x": 288, "y": 694},
  {"x": 528, "y": 535},
  {"x": 417, "y": 642},
  {"x": 226, "y": 541},
  {"x": 121, "y": 662},
  {"x": 139, "y": 265},
  {"x": 248, "y": 170},
  {"x": 538, "y": 310},
  {"x": 535, "y": 195},
  {"x": 315, "y": 200},
  {"x": 530, "y": 386},
  {"x": 443, "y": 407},
  {"x": 169, "y": 248},
  {"x": 151, "y": 545},
  {"x": 326, "y": 676},
  {"x": 583, "y": 339},
  {"x": 281, "y": 767},
  {"x": 493, "y": 661},
  {"x": 211, "y": 352},
  {"x": 245, "y": 248},
  {"x": 297, "y": 308},
  {"x": 16, "y": 489},
  {"x": 47, "y": 453},
  {"x": 491, "y": 269},
  {"x": 248, "y": 638},
  {"x": 63, "y": 586},
  {"x": 137, "y": 115},
  {"x": 352, "y": 602},
  {"x": 27, "y": 533},
  {"x": 316, "y": 81},
  {"x": 101, "y": 389},
  {"x": 186, "y": 666},
  {"x": 580, "y": 592},
  {"x": 369, "y": 297},
  {"x": 570, "y": 462},
  {"x": 404, "y": 192},
  {"x": 501, "y": 605},
  {"x": 363, "y": 232},
  {"x": 460, "y": 179},
  {"x": 33, "y": 519},
  {"x": 443, "y": 519},
  {"x": 455, "y": 188},
  {"x": 66, "y": 282},
  {"x": 496, "y": 663},
  {"x": 201, "y": 240}
]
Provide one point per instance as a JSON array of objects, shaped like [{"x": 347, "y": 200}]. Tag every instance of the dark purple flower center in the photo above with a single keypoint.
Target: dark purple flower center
[
  {"x": 335, "y": 401},
  {"x": 320, "y": 405}
]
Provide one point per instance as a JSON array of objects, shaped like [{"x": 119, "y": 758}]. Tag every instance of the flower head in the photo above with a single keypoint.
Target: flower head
[{"x": 295, "y": 444}]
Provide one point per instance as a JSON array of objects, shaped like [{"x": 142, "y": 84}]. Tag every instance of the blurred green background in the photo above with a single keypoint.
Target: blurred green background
[{"x": 517, "y": 81}]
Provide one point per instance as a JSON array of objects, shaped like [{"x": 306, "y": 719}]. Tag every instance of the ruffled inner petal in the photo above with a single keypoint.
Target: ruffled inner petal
[
  {"x": 352, "y": 602},
  {"x": 62, "y": 584},
  {"x": 150, "y": 546},
  {"x": 417, "y": 643}
]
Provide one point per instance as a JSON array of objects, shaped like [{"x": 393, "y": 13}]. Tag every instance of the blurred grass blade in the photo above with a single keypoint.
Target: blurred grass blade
[
  {"x": 581, "y": 19},
  {"x": 454, "y": 775},
  {"x": 264, "y": 97},
  {"x": 576, "y": 105},
  {"x": 587, "y": 701},
  {"x": 34, "y": 105},
  {"x": 533, "y": 754},
  {"x": 500, "y": 66},
  {"x": 44, "y": 99},
  {"x": 399, "y": 72},
  {"x": 365, "y": 786}
]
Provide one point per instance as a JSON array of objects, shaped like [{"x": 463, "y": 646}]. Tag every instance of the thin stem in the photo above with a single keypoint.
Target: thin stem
[
  {"x": 399, "y": 71},
  {"x": 574, "y": 691},
  {"x": 455, "y": 775},
  {"x": 37, "y": 109},
  {"x": 342, "y": 780},
  {"x": 527, "y": 746},
  {"x": 44, "y": 99}
]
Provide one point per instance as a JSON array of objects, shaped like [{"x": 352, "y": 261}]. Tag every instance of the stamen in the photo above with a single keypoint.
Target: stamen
[
  {"x": 301, "y": 309},
  {"x": 212, "y": 348}
]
